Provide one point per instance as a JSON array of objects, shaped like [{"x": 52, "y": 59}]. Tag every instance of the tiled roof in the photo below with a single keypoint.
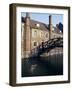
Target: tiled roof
[
  {"x": 33, "y": 24},
  {"x": 42, "y": 26}
]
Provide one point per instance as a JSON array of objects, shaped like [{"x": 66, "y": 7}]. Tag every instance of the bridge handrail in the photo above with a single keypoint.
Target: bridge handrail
[{"x": 51, "y": 42}]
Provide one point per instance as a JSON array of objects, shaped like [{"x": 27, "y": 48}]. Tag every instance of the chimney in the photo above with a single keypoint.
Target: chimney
[
  {"x": 57, "y": 29},
  {"x": 50, "y": 27},
  {"x": 27, "y": 36},
  {"x": 28, "y": 15}
]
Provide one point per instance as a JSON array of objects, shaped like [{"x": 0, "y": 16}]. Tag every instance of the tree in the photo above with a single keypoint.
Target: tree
[{"x": 60, "y": 26}]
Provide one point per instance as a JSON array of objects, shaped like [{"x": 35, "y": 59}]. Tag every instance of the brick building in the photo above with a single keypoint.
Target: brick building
[{"x": 33, "y": 33}]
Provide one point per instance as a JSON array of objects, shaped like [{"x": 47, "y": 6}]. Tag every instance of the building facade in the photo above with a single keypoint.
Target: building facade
[{"x": 33, "y": 33}]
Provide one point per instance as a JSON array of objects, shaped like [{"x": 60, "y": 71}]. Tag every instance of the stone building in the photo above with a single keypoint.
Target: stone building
[{"x": 33, "y": 33}]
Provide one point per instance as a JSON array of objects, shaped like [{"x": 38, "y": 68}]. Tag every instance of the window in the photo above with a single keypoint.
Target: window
[
  {"x": 41, "y": 34},
  {"x": 35, "y": 43},
  {"x": 35, "y": 33},
  {"x": 47, "y": 35}
]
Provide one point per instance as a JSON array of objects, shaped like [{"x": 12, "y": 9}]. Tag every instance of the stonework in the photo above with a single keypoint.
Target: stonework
[{"x": 34, "y": 33}]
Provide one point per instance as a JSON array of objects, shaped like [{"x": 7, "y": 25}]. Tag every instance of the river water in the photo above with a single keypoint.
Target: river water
[{"x": 42, "y": 66}]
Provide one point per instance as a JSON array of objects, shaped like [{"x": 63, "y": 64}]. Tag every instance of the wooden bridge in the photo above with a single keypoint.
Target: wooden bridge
[{"x": 47, "y": 46}]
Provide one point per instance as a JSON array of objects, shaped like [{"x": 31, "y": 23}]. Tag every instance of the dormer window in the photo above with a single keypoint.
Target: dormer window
[{"x": 38, "y": 25}]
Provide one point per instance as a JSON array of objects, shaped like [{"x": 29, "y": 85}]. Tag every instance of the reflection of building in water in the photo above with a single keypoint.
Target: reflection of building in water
[{"x": 35, "y": 32}]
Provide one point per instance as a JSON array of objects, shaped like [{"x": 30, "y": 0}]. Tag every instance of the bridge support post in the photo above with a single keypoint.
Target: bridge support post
[
  {"x": 50, "y": 31},
  {"x": 50, "y": 27},
  {"x": 27, "y": 36}
]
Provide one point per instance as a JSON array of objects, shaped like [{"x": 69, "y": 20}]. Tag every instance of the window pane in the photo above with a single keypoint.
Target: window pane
[{"x": 35, "y": 43}]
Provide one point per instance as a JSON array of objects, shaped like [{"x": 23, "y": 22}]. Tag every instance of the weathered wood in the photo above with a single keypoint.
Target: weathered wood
[{"x": 47, "y": 46}]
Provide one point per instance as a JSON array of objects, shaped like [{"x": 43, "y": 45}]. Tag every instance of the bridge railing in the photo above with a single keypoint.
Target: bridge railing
[{"x": 55, "y": 42}]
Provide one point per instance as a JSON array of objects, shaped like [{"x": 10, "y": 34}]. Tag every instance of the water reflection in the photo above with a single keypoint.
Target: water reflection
[
  {"x": 33, "y": 67},
  {"x": 42, "y": 66}
]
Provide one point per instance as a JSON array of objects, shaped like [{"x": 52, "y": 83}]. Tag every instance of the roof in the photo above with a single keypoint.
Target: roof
[
  {"x": 34, "y": 22},
  {"x": 42, "y": 26}
]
